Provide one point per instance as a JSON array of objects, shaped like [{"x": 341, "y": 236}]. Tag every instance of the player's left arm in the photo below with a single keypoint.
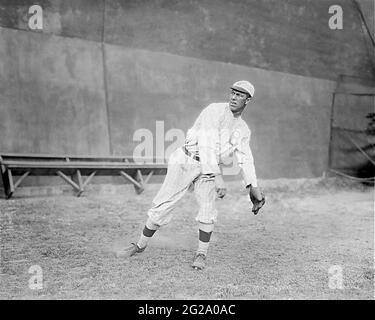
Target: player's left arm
[
  {"x": 245, "y": 159},
  {"x": 246, "y": 163}
]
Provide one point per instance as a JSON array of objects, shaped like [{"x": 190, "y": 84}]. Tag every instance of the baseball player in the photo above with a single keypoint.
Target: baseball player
[{"x": 218, "y": 132}]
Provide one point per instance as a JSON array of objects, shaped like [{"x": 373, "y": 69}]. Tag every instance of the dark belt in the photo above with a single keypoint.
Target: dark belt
[{"x": 190, "y": 154}]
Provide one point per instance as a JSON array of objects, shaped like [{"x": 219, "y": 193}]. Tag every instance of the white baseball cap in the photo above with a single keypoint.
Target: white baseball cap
[{"x": 244, "y": 86}]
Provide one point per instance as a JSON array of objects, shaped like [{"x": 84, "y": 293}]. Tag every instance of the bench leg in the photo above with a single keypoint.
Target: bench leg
[
  {"x": 11, "y": 184},
  {"x": 80, "y": 183},
  {"x": 137, "y": 185},
  {"x": 149, "y": 177},
  {"x": 7, "y": 177},
  {"x": 4, "y": 179},
  {"x": 140, "y": 180},
  {"x": 70, "y": 181},
  {"x": 18, "y": 182},
  {"x": 88, "y": 179}
]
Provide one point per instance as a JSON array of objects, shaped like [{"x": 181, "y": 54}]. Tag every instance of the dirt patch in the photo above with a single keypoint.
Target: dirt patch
[{"x": 309, "y": 233}]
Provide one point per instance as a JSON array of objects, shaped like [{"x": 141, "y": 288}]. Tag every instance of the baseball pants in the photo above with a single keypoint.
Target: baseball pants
[{"x": 183, "y": 171}]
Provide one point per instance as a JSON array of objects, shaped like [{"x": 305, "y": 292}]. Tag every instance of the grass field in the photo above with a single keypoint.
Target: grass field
[{"x": 288, "y": 251}]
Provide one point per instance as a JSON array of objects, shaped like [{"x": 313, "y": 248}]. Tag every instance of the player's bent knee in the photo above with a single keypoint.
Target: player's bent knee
[{"x": 152, "y": 225}]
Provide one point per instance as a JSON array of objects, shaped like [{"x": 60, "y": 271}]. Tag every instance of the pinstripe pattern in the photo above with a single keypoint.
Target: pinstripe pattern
[
  {"x": 205, "y": 193},
  {"x": 216, "y": 135},
  {"x": 182, "y": 172}
]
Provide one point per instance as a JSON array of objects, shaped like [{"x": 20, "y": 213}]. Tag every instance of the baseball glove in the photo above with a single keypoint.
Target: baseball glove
[{"x": 257, "y": 204}]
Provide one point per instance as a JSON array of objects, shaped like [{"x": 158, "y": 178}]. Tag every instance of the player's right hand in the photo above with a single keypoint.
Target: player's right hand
[{"x": 221, "y": 189}]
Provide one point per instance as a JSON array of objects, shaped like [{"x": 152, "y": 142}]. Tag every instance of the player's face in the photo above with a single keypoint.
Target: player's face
[{"x": 238, "y": 100}]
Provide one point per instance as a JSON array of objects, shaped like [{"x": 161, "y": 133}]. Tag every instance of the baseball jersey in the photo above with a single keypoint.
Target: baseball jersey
[{"x": 217, "y": 134}]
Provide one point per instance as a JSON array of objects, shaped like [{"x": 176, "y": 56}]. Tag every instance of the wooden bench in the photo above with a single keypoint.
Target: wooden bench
[{"x": 69, "y": 166}]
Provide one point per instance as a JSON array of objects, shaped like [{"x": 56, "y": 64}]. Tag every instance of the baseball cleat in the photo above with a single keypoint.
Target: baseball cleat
[
  {"x": 129, "y": 251},
  {"x": 199, "y": 261}
]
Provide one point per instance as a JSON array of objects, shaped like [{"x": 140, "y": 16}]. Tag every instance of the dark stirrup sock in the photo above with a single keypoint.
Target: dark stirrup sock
[
  {"x": 148, "y": 232},
  {"x": 204, "y": 236},
  {"x": 204, "y": 242}
]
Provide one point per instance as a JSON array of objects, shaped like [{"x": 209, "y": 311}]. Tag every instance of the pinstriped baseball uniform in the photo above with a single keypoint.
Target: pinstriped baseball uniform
[{"x": 215, "y": 135}]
